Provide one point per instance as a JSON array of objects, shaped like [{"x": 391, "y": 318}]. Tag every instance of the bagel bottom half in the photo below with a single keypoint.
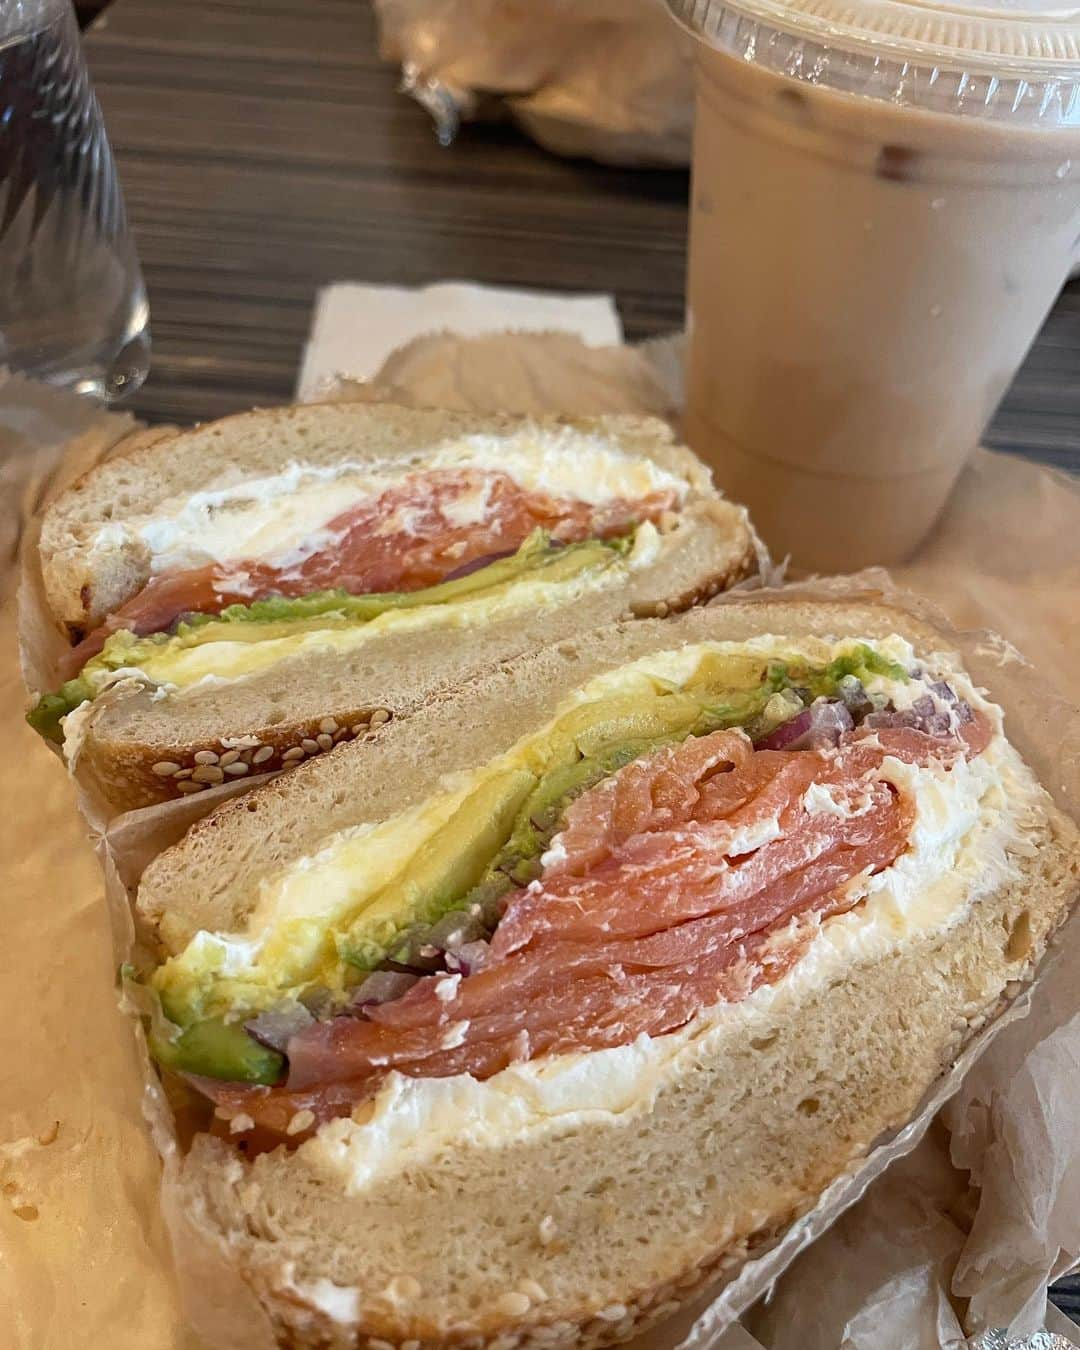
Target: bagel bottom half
[{"x": 574, "y": 1203}]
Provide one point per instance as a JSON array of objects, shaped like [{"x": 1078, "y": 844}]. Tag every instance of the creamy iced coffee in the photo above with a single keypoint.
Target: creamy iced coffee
[{"x": 868, "y": 266}]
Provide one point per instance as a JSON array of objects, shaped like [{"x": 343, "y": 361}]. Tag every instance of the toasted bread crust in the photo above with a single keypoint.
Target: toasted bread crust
[{"x": 137, "y": 775}]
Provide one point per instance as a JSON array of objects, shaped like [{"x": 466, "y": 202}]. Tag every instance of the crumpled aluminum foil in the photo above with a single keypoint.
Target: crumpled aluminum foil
[{"x": 606, "y": 79}]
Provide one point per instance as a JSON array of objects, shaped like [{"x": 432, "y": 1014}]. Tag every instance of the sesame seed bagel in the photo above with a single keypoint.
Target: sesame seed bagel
[
  {"x": 596, "y": 1216},
  {"x": 136, "y": 746}
]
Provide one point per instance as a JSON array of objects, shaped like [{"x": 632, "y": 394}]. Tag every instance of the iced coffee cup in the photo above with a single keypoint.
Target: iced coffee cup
[{"x": 886, "y": 201}]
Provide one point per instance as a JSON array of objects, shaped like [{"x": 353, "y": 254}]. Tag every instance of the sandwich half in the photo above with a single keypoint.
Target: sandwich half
[
  {"x": 518, "y": 1025},
  {"x": 246, "y": 595}
]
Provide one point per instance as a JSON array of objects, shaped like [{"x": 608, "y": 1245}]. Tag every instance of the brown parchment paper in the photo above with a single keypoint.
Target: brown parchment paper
[
  {"x": 608, "y": 79},
  {"x": 850, "y": 1301},
  {"x": 84, "y": 1257}
]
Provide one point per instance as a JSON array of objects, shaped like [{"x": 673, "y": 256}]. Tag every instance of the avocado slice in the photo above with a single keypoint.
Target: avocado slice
[
  {"x": 543, "y": 811},
  {"x": 218, "y": 1049},
  {"x": 593, "y": 729},
  {"x": 494, "y": 839},
  {"x": 446, "y": 868},
  {"x": 278, "y": 616},
  {"x": 592, "y": 742},
  {"x": 862, "y": 662},
  {"x": 46, "y": 715},
  {"x": 597, "y": 727},
  {"x": 728, "y": 672}
]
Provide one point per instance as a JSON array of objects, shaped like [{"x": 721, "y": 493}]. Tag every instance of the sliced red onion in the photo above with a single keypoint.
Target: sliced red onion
[
  {"x": 960, "y": 710},
  {"x": 792, "y": 730},
  {"x": 469, "y": 958},
  {"x": 467, "y": 569},
  {"x": 924, "y": 715},
  {"x": 829, "y": 720},
  {"x": 821, "y": 724},
  {"x": 276, "y": 1028},
  {"x": 381, "y": 986},
  {"x": 318, "y": 1000},
  {"x": 891, "y": 717},
  {"x": 424, "y": 948},
  {"x": 453, "y": 930},
  {"x": 855, "y": 698}
]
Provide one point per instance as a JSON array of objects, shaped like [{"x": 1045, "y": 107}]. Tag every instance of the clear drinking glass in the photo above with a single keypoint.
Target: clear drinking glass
[{"x": 73, "y": 309}]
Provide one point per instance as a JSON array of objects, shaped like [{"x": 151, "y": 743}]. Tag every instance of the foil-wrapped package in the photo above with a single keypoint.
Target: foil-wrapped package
[{"x": 606, "y": 79}]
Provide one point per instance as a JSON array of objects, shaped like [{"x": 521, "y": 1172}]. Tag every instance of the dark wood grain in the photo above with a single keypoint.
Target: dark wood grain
[{"x": 265, "y": 153}]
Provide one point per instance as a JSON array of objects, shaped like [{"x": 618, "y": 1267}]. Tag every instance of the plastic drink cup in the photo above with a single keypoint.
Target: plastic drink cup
[{"x": 886, "y": 202}]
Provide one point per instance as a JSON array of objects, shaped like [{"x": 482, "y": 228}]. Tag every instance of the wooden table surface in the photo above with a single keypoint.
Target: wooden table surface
[{"x": 265, "y": 152}]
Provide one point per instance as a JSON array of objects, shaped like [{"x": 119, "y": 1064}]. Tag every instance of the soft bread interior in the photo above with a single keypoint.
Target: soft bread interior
[
  {"x": 83, "y": 585},
  {"x": 208, "y": 880},
  {"x": 611, "y": 1220}
]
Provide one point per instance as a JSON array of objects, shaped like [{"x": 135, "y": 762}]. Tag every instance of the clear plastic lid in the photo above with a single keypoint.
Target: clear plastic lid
[{"x": 1006, "y": 59}]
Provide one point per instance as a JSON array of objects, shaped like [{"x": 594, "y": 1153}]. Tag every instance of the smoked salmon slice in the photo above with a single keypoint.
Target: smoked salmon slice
[
  {"x": 686, "y": 879},
  {"x": 413, "y": 535}
]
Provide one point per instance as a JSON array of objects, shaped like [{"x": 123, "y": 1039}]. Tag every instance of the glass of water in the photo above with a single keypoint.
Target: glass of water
[{"x": 73, "y": 309}]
